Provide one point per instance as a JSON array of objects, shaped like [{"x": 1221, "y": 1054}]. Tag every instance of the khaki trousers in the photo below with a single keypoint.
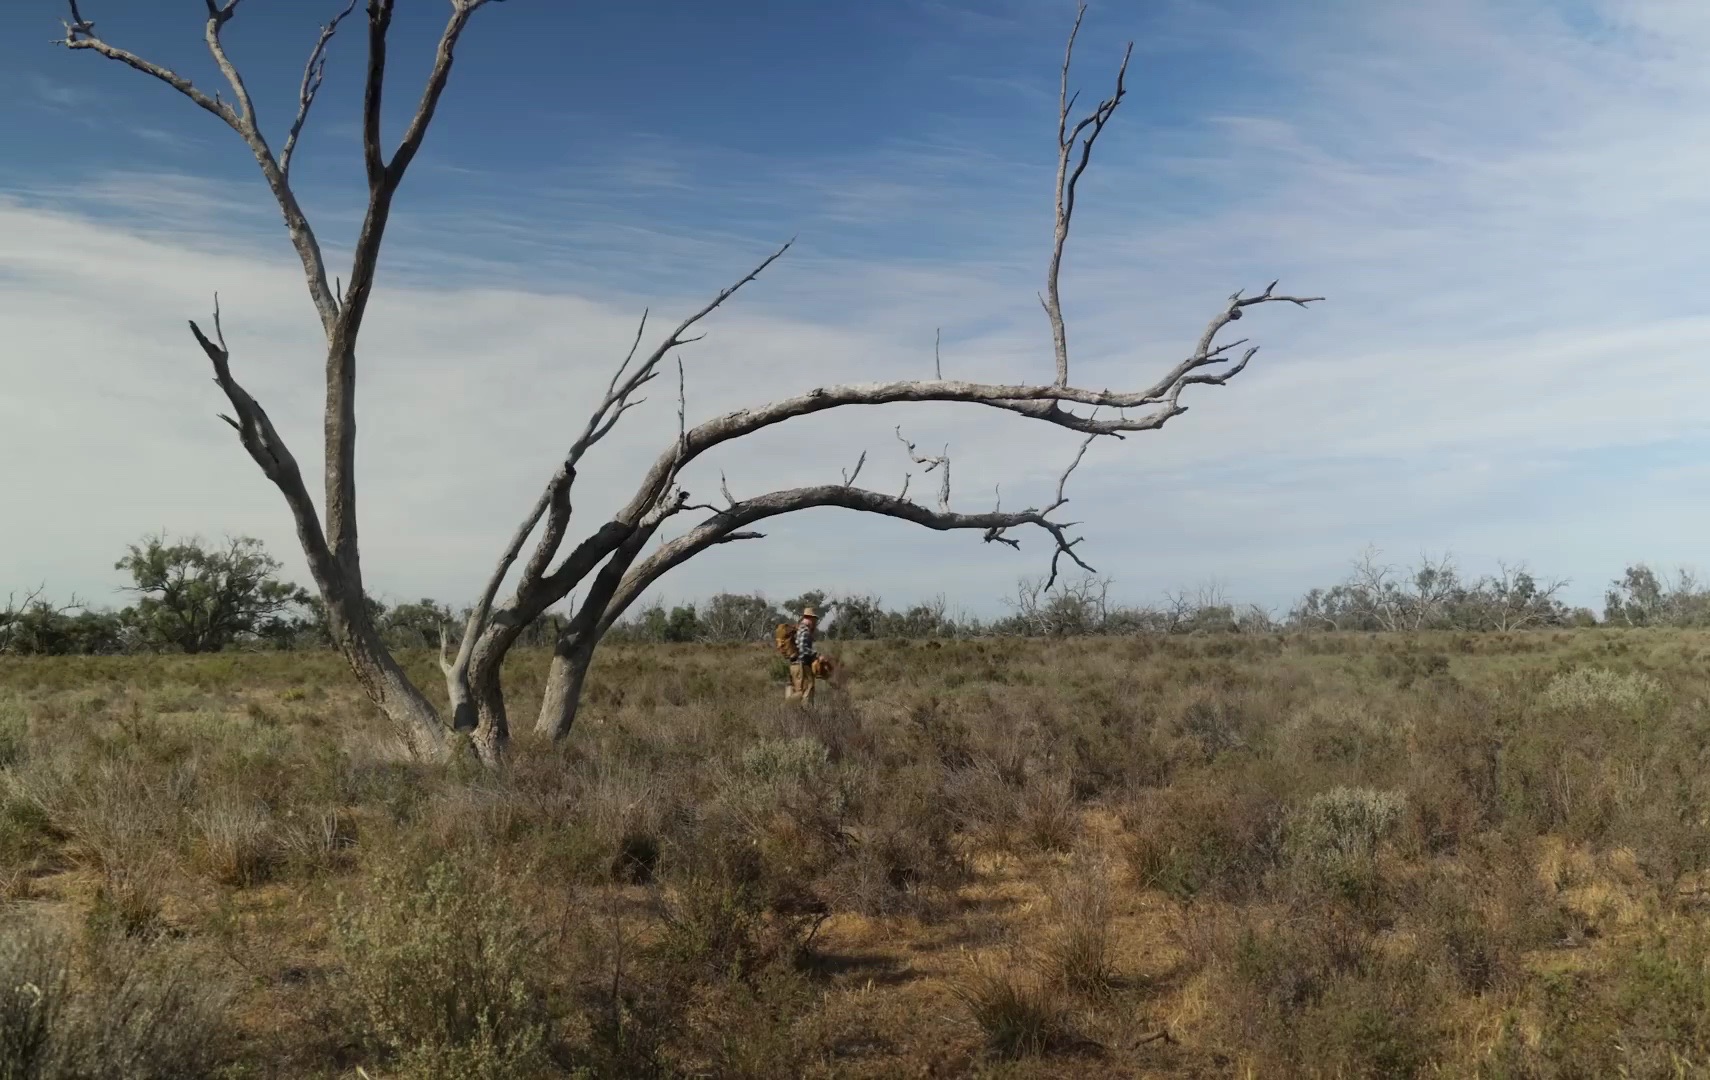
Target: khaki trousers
[{"x": 801, "y": 684}]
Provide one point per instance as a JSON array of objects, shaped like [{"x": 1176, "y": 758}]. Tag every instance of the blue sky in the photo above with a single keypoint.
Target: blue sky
[{"x": 1502, "y": 200}]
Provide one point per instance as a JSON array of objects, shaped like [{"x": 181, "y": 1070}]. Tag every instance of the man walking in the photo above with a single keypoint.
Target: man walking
[{"x": 801, "y": 665}]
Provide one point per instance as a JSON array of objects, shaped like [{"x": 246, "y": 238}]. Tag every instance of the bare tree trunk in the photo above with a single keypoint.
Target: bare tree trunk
[
  {"x": 413, "y": 716},
  {"x": 565, "y": 678},
  {"x": 488, "y": 720},
  {"x": 491, "y": 736},
  {"x": 333, "y": 552},
  {"x": 492, "y": 732},
  {"x": 574, "y": 649}
]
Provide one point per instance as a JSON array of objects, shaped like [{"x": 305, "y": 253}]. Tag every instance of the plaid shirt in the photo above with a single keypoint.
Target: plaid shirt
[{"x": 804, "y": 645}]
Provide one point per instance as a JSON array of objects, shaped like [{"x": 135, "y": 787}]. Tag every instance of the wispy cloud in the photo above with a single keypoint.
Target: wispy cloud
[
  {"x": 61, "y": 95},
  {"x": 1497, "y": 199},
  {"x": 72, "y": 103},
  {"x": 161, "y": 137}
]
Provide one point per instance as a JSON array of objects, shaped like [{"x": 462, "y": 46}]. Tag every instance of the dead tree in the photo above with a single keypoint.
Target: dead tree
[{"x": 611, "y": 565}]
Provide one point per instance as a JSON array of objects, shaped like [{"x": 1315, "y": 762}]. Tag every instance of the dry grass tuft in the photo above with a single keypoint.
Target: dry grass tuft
[
  {"x": 1081, "y": 953},
  {"x": 1018, "y": 1016}
]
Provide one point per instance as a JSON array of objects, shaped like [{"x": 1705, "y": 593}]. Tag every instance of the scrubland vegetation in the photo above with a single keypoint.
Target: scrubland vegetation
[
  {"x": 1415, "y": 826},
  {"x": 1258, "y": 855}
]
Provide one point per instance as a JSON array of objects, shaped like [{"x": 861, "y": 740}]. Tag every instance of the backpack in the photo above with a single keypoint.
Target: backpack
[{"x": 784, "y": 640}]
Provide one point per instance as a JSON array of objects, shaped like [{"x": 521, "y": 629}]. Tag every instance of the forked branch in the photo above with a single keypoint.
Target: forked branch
[
  {"x": 1035, "y": 401},
  {"x": 313, "y": 73},
  {"x": 1065, "y": 546},
  {"x": 850, "y": 476},
  {"x": 931, "y": 461},
  {"x": 80, "y": 34},
  {"x": 618, "y": 400},
  {"x": 1085, "y": 132},
  {"x": 385, "y": 175},
  {"x": 259, "y": 437},
  {"x": 536, "y": 589}
]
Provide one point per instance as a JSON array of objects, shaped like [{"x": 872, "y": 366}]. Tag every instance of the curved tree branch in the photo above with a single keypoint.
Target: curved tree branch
[
  {"x": 727, "y": 525},
  {"x": 1039, "y": 401},
  {"x": 259, "y": 437}
]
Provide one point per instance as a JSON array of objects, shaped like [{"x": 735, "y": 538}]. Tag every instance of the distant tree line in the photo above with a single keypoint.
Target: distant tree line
[{"x": 192, "y": 597}]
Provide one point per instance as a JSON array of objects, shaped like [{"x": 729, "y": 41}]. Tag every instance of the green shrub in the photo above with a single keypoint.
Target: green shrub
[
  {"x": 141, "y": 1015},
  {"x": 1214, "y": 838},
  {"x": 1662, "y": 996},
  {"x": 776, "y": 761},
  {"x": 1378, "y": 1027},
  {"x": 14, "y": 734},
  {"x": 1343, "y": 823},
  {"x": 1332, "y": 840},
  {"x": 27, "y": 833},
  {"x": 1648, "y": 1016},
  {"x": 1599, "y": 690},
  {"x": 152, "y": 1017},
  {"x": 32, "y": 1003},
  {"x": 439, "y": 971},
  {"x": 716, "y": 928},
  {"x": 1049, "y": 818}
]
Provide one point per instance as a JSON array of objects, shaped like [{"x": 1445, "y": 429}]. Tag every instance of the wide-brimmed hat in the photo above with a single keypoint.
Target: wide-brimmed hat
[{"x": 809, "y": 613}]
